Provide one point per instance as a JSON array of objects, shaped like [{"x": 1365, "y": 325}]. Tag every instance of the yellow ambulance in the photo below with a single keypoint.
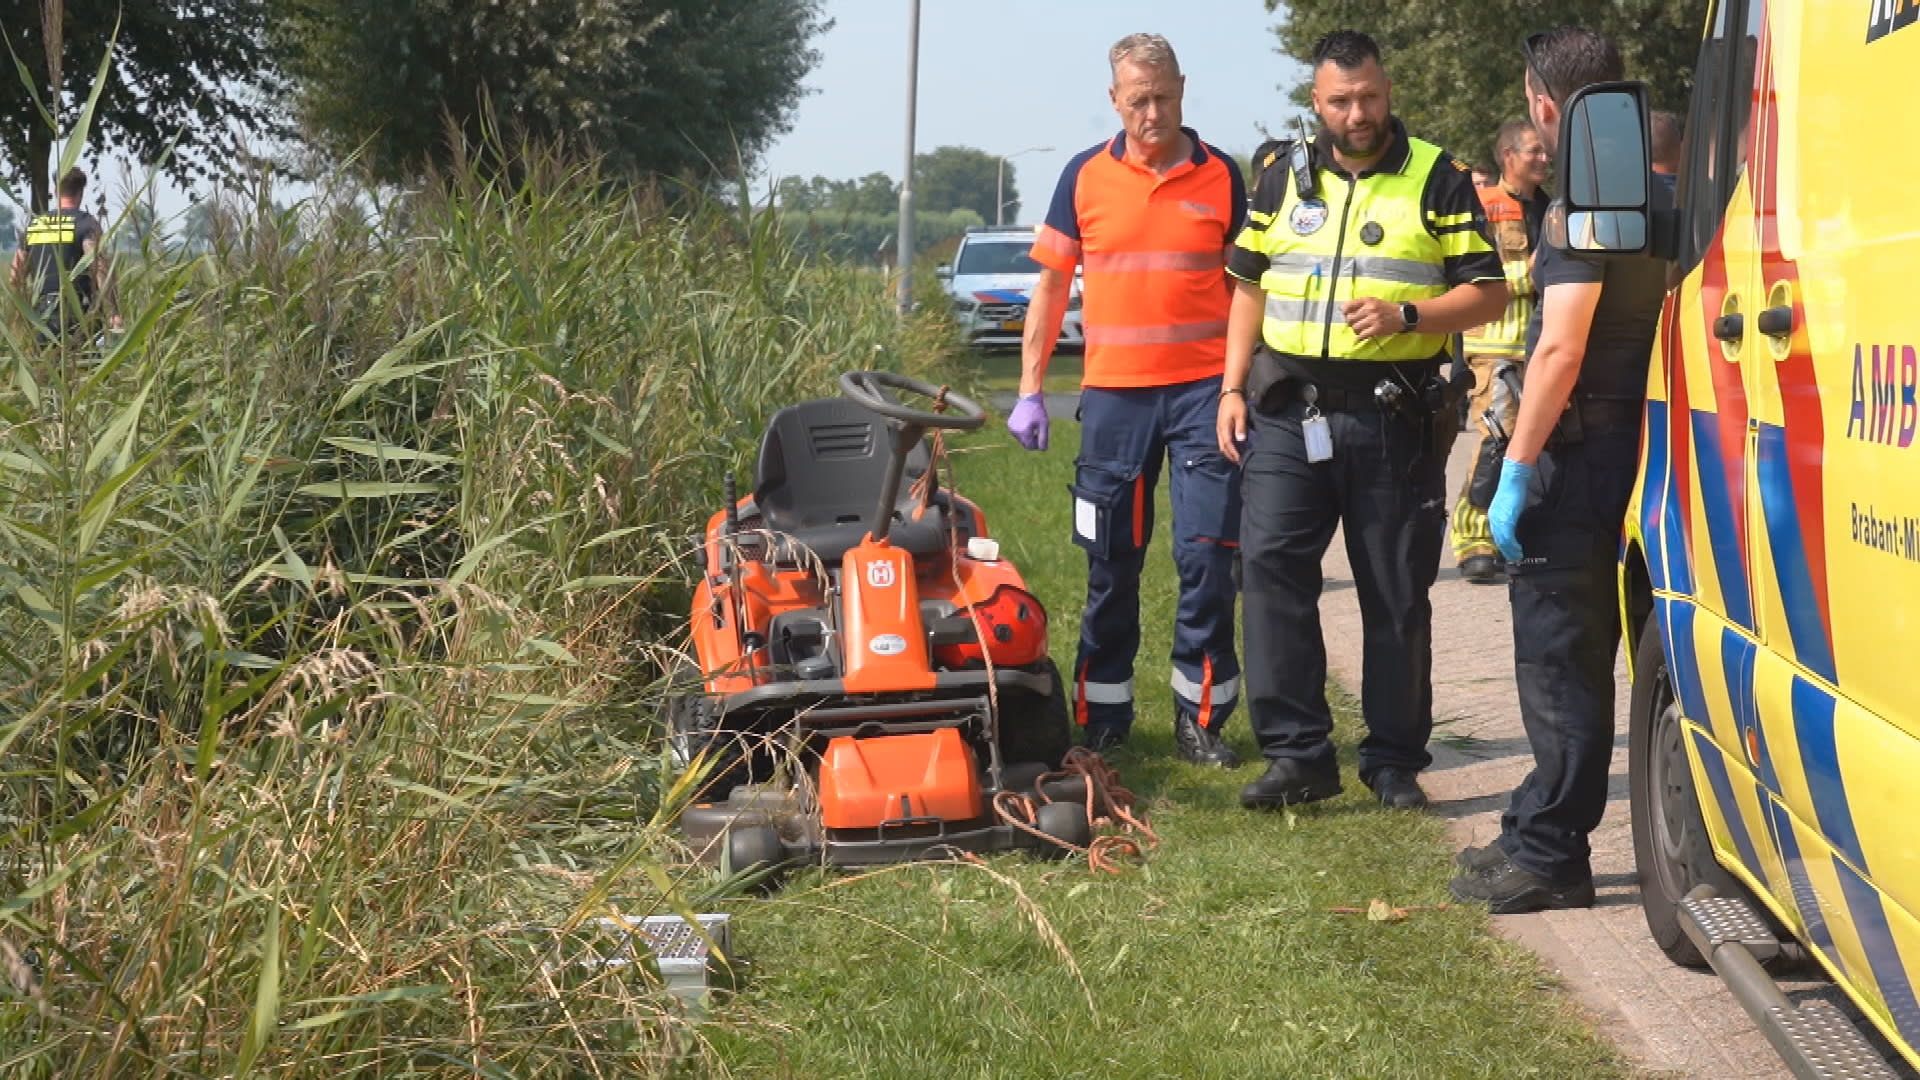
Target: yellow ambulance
[{"x": 1770, "y": 565}]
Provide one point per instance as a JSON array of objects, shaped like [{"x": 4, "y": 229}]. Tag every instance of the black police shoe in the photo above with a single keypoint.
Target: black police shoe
[
  {"x": 1479, "y": 857},
  {"x": 1101, "y": 738},
  {"x": 1507, "y": 889},
  {"x": 1483, "y": 570},
  {"x": 1397, "y": 789},
  {"x": 1198, "y": 744},
  {"x": 1287, "y": 782}
]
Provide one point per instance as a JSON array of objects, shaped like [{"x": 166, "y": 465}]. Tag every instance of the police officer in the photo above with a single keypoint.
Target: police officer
[
  {"x": 56, "y": 244},
  {"x": 1361, "y": 256},
  {"x": 1563, "y": 493}
]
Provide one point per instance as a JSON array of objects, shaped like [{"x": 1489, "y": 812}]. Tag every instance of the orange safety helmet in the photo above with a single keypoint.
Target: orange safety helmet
[{"x": 1011, "y": 626}]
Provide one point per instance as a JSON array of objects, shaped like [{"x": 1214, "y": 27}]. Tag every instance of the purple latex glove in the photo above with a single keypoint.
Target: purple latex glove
[{"x": 1028, "y": 421}]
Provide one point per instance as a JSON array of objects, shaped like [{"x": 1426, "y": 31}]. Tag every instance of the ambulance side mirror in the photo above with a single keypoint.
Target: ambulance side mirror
[{"x": 1604, "y": 206}]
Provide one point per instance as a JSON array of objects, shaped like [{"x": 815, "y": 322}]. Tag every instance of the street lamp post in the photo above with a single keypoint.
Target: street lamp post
[
  {"x": 903, "y": 256},
  {"x": 1000, "y": 182}
]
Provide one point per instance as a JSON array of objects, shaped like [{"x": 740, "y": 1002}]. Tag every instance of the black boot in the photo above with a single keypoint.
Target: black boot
[
  {"x": 1288, "y": 781},
  {"x": 1397, "y": 789},
  {"x": 1199, "y": 744}
]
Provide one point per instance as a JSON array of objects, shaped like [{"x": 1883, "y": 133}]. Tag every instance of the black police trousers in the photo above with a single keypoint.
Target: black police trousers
[
  {"x": 1566, "y": 630},
  {"x": 1386, "y": 486}
]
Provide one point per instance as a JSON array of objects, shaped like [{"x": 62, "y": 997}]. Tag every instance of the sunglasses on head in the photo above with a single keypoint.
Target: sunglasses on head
[{"x": 1533, "y": 64}]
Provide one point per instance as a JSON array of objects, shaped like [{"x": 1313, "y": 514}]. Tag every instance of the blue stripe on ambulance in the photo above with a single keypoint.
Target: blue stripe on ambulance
[
  {"x": 1722, "y": 782},
  {"x": 1661, "y": 529},
  {"x": 1820, "y": 762},
  {"x": 1737, "y": 656},
  {"x": 1869, "y": 912},
  {"x": 1805, "y": 900},
  {"x": 1809, "y": 631},
  {"x": 1722, "y": 533},
  {"x": 1683, "y": 666}
]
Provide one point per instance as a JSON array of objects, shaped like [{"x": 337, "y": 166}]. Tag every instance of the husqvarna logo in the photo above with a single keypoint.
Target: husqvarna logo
[
  {"x": 1890, "y": 15},
  {"x": 880, "y": 575}
]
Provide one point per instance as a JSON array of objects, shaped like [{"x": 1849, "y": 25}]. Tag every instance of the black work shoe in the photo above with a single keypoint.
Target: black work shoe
[
  {"x": 1101, "y": 738},
  {"x": 1483, "y": 570},
  {"x": 1287, "y": 782},
  {"x": 1397, "y": 789},
  {"x": 1477, "y": 857},
  {"x": 1506, "y": 889},
  {"x": 1198, "y": 744}
]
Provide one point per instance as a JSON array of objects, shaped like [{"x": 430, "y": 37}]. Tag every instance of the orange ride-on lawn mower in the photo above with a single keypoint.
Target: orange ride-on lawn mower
[{"x": 874, "y": 673}]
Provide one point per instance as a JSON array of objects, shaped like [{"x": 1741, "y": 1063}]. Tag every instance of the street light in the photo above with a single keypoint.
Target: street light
[{"x": 1000, "y": 181}]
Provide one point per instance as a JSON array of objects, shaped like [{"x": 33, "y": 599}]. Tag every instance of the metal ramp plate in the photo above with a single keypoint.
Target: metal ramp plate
[
  {"x": 1729, "y": 920},
  {"x": 1829, "y": 1045}
]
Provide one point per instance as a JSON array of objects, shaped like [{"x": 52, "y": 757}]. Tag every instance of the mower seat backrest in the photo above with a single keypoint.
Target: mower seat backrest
[{"x": 819, "y": 475}]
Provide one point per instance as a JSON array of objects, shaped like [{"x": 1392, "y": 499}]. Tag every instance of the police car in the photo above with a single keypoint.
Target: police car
[{"x": 991, "y": 283}]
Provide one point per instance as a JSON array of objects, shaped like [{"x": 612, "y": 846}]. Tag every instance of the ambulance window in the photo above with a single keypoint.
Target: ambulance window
[{"x": 1716, "y": 119}]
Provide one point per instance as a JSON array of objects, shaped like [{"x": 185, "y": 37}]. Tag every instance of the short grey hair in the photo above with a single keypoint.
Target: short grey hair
[{"x": 1147, "y": 50}]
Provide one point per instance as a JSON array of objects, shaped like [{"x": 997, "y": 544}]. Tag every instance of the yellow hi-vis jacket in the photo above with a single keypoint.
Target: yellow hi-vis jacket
[
  {"x": 1506, "y": 337},
  {"x": 1374, "y": 235}
]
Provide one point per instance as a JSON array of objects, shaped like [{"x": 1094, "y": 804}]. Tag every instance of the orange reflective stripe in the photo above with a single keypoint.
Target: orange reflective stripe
[
  {"x": 1206, "y": 692},
  {"x": 1080, "y": 696},
  {"x": 1175, "y": 334},
  {"x": 1139, "y": 511},
  {"x": 1128, "y": 262},
  {"x": 1052, "y": 247}
]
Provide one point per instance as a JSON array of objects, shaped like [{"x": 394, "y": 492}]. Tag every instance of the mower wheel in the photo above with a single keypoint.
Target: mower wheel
[
  {"x": 690, "y": 733},
  {"x": 1066, "y": 822},
  {"x": 755, "y": 850},
  {"x": 1037, "y": 728}
]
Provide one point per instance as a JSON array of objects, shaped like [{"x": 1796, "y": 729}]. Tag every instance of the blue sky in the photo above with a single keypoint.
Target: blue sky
[{"x": 1003, "y": 75}]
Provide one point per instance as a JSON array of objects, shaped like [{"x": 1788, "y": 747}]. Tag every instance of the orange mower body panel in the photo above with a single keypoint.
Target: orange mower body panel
[
  {"x": 893, "y": 779},
  {"x": 885, "y": 640}
]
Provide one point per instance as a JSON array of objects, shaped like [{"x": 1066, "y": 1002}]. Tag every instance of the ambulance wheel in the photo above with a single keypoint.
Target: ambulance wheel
[
  {"x": 1034, "y": 728},
  {"x": 1065, "y": 822},
  {"x": 1671, "y": 846},
  {"x": 755, "y": 851}
]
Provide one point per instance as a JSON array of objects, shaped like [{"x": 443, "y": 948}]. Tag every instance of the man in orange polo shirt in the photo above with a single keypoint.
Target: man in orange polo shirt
[{"x": 1148, "y": 216}]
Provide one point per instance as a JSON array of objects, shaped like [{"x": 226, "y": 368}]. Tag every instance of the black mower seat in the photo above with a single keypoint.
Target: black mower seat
[{"x": 819, "y": 475}]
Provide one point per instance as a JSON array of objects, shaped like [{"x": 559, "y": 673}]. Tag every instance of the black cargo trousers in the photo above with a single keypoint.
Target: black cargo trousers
[
  {"x": 1565, "y": 592},
  {"x": 1386, "y": 487}
]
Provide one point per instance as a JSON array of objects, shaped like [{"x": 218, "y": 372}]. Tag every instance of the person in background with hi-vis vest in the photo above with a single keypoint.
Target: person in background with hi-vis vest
[
  {"x": 1362, "y": 255},
  {"x": 56, "y": 243},
  {"x": 1515, "y": 207},
  {"x": 1148, "y": 215}
]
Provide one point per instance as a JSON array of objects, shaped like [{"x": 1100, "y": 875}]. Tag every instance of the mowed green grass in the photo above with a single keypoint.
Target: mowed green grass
[{"x": 1222, "y": 956}]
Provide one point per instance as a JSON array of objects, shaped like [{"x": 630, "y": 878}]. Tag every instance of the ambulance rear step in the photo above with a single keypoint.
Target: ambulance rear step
[{"x": 1815, "y": 1040}]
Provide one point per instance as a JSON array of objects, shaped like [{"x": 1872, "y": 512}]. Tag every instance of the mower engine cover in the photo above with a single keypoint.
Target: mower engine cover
[
  {"x": 1011, "y": 624},
  {"x": 899, "y": 780}
]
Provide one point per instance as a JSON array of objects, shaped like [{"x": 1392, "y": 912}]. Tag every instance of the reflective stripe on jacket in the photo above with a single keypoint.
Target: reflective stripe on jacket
[{"x": 1506, "y": 337}]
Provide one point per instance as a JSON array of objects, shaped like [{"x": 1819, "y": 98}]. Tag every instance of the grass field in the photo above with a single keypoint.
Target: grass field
[{"x": 1224, "y": 956}]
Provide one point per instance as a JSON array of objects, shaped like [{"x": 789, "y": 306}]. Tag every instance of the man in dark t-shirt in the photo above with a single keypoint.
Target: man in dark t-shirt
[
  {"x": 1564, "y": 487},
  {"x": 55, "y": 245}
]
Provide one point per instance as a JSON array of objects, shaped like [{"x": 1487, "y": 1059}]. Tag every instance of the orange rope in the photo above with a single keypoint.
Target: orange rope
[{"x": 1108, "y": 804}]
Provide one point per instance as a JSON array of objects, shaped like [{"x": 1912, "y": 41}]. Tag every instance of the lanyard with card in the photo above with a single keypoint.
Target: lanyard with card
[{"x": 1313, "y": 427}]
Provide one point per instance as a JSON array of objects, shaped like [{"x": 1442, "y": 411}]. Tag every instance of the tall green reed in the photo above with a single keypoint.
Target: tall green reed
[{"x": 331, "y": 593}]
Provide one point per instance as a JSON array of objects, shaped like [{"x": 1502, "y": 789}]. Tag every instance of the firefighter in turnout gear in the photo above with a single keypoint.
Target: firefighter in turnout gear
[
  {"x": 1515, "y": 206},
  {"x": 1360, "y": 259}
]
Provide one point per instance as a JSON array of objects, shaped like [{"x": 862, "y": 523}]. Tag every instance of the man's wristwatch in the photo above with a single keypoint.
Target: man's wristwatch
[{"x": 1410, "y": 314}]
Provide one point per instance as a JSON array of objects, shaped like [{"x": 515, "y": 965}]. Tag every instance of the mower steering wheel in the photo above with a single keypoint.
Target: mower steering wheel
[{"x": 869, "y": 388}]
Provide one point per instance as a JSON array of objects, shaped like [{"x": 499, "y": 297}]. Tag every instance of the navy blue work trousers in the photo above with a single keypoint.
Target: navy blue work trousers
[{"x": 1126, "y": 436}]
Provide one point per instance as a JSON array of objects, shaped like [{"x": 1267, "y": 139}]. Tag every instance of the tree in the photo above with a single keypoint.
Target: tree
[
  {"x": 676, "y": 87},
  {"x": 1456, "y": 64},
  {"x": 962, "y": 178},
  {"x": 190, "y": 75},
  {"x": 6, "y": 227},
  {"x": 874, "y": 193}
]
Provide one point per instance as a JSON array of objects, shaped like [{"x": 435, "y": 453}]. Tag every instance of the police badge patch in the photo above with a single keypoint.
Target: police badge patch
[{"x": 1307, "y": 217}]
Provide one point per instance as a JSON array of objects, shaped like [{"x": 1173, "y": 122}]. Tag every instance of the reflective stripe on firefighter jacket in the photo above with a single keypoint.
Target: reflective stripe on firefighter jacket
[{"x": 1506, "y": 337}]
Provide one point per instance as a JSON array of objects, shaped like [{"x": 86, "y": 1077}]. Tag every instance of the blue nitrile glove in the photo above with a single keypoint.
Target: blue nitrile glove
[
  {"x": 1509, "y": 500},
  {"x": 1028, "y": 422}
]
